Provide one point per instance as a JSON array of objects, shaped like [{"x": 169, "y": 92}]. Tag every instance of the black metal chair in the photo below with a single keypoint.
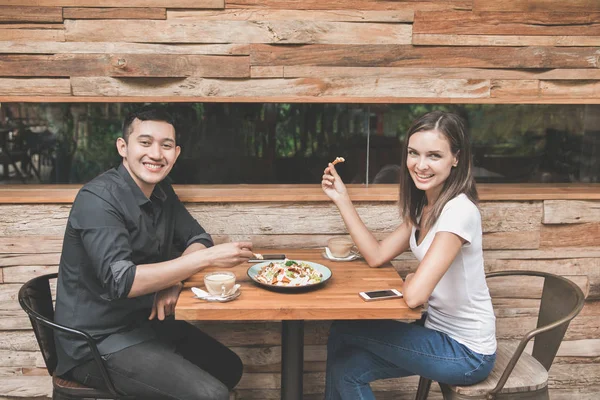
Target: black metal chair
[
  {"x": 36, "y": 299},
  {"x": 518, "y": 375}
]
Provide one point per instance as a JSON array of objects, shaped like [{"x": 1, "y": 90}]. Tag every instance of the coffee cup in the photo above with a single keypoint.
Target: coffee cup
[
  {"x": 340, "y": 247},
  {"x": 219, "y": 283}
]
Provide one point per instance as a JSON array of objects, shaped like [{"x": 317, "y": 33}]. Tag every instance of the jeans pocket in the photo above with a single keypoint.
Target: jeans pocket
[{"x": 484, "y": 365}]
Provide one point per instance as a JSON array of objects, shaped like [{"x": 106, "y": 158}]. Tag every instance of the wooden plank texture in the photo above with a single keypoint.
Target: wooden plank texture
[
  {"x": 35, "y": 86},
  {"x": 352, "y": 4},
  {"x": 343, "y": 15},
  {"x": 306, "y": 87},
  {"x": 114, "y": 13},
  {"x": 570, "y": 235},
  {"x": 223, "y": 31},
  {"x": 570, "y": 89},
  {"x": 507, "y": 88},
  {"x": 537, "y": 5},
  {"x": 11, "y": 33},
  {"x": 432, "y": 39},
  {"x": 48, "y": 47},
  {"x": 508, "y": 23},
  {"x": 64, "y": 194},
  {"x": 425, "y": 56},
  {"x": 30, "y": 14},
  {"x": 119, "y": 3},
  {"x": 571, "y": 212},
  {"x": 304, "y": 71},
  {"x": 132, "y": 65}
]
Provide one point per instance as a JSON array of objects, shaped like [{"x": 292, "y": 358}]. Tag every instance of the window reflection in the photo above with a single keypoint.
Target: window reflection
[{"x": 229, "y": 143}]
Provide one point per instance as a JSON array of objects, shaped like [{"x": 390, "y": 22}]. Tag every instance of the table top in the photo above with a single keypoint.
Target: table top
[{"x": 336, "y": 299}]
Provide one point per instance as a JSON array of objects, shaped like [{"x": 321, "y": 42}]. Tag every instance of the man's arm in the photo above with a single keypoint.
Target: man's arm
[{"x": 151, "y": 278}]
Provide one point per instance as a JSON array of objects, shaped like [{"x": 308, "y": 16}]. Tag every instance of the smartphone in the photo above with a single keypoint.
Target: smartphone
[
  {"x": 268, "y": 257},
  {"x": 380, "y": 294}
]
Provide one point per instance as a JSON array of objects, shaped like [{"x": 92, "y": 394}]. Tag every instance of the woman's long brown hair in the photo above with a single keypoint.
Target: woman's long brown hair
[{"x": 460, "y": 180}]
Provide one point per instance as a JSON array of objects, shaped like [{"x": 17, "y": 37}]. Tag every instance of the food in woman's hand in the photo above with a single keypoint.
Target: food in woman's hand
[
  {"x": 338, "y": 160},
  {"x": 258, "y": 256},
  {"x": 288, "y": 273}
]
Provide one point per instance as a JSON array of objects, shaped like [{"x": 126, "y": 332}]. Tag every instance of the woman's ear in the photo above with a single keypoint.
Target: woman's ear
[{"x": 455, "y": 159}]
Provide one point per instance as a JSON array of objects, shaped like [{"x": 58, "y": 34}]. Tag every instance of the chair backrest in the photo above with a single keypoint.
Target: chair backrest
[
  {"x": 561, "y": 301},
  {"x": 36, "y": 299}
]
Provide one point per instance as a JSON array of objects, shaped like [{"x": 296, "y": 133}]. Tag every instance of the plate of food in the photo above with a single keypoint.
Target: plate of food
[{"x": 289, "y": 275}]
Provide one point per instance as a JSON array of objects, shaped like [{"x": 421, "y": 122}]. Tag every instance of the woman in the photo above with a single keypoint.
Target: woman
[{"x": 442, "y": 226}]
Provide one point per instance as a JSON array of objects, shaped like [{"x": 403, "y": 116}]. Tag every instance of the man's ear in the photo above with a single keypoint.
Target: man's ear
[
  {"x": 177, "y": 152},
  {"x": 122, "y": 147}
]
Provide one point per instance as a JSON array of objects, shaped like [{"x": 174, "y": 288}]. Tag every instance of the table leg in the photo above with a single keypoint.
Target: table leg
[{"x": 292, "y": 359}]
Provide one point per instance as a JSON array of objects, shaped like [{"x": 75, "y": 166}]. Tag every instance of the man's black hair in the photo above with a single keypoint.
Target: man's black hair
[{"x": 151, "y": 112}]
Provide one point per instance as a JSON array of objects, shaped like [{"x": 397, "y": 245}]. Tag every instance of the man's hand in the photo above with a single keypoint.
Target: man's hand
[
  {"x": 229, "y": 255},
  {"x": 164, "y": 302}
]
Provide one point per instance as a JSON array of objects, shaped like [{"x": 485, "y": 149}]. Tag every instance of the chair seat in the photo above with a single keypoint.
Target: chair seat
[
  {"x": 527, "y": 376},
  {"x": 72, "y": 388}
]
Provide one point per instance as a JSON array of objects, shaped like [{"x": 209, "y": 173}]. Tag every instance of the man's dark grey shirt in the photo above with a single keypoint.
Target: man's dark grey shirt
[{"x": 112, "y": 228}]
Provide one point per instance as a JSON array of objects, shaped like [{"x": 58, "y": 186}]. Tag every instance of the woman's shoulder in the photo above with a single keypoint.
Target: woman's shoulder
[{"x": 461, "y": 203}]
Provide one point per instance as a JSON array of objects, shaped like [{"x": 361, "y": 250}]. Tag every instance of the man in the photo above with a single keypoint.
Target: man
[{"x": 119, "y": 282}]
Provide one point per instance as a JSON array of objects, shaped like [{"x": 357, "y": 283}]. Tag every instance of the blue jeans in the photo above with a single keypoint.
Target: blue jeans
[{"x": 359, "y": 352}]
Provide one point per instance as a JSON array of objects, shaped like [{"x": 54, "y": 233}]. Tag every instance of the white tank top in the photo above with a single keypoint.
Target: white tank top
[{"x": 460, "y": 304}]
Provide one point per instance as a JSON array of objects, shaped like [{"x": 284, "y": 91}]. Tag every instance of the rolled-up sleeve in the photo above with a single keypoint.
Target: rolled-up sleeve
[
  {"x": 187, "y": 229},
  {"x": 106, "y": 241}
]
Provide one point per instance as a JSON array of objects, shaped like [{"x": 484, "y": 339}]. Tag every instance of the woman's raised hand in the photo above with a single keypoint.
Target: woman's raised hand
[{"x": 332, "y": 184}]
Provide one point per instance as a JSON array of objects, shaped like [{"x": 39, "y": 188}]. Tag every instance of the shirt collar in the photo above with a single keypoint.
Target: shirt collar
[{"x": 139, "y": 196}]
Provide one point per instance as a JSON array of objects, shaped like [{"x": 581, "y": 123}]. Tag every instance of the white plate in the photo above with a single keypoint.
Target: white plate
[{"x": 353, "y": 256}]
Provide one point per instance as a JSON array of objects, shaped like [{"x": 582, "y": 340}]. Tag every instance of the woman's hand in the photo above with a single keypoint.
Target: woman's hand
[
  {"x": 164, "y": 302},
  {"x": 332, "y": 184}
]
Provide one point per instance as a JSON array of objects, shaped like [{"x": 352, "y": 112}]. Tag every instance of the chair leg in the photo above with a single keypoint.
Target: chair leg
[{"x": 423, "y": 389}]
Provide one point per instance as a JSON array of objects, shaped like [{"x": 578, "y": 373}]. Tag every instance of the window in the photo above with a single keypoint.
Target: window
[{"x": 230, "y": 143}]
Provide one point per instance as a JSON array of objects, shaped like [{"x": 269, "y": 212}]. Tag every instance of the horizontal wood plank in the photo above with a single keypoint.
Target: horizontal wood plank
[
  {"x": 524, "y": 88},
  {"x": 571, "y": 212},
  {"x": 223, "y": 31},
  {"x": 31, "y": 34},
  {"x": 308, "y": 87},
  {"x": 34, "y": 86},
  {"x": 508, "y": 23},
  {"x": 30, "y": 14},
  {"x": 570, "y": 89},
  {"x": 60, "y": 194},
  {"x": 114, "y": 13},
  {"x": 125, "y": 65},
  {"x": 119, "y": 3},
  {"x": 57, "y": 47},
  {"x": 431, "y": 39},
  {"x": 425, "y": 56},
  {"x": 266, "y": 72},
  {"x": 304, "y": 71},
  {"x": 351, "y": 4},
  {"x": 536, "y": 5},
  {"x": 570, "y": 235},
  {"x": 589, "y": 267},
  {"x": 342, "y": 15},
  {"x": 265, "y": 218}
]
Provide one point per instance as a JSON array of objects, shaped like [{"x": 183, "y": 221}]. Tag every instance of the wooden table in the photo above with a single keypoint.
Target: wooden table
[{"x": 338, "y": 299}]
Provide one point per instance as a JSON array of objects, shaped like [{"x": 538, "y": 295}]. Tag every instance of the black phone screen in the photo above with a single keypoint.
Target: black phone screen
[{"x": 380, "y": 293}]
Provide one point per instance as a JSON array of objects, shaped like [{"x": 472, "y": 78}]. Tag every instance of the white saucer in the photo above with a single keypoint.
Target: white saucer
[
  {"x": 353, "y": 256},
  {"x": 203, "y": 295}
]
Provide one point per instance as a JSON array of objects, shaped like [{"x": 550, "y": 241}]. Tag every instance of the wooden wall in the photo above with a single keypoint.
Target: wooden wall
[
  {"x": 558, "y": 236},
  {"x": 439, "y": 51},
  {"x": 484, "y": 51}
]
